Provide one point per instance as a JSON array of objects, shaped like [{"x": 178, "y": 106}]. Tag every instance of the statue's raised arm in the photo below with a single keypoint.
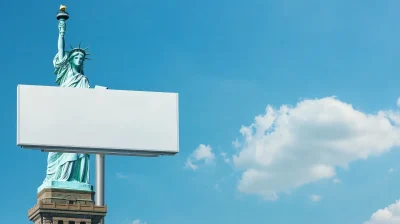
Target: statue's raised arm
[
  {"x": 62, "y": 16},
  {"x": 61, "y": 41}
]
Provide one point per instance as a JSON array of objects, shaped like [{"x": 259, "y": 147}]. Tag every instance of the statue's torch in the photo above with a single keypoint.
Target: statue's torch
[{"x": 62, "y": 16}]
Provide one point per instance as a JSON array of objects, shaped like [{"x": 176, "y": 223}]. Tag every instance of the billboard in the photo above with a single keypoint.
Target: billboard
[{"x": 97, "y": 121}]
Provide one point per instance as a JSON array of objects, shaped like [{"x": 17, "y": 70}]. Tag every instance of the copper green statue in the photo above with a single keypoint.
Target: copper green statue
[{"x": 68, "y": 170}]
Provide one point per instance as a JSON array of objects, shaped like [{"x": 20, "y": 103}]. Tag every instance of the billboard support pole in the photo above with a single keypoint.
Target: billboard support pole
[{"x": 100, "y": 162}]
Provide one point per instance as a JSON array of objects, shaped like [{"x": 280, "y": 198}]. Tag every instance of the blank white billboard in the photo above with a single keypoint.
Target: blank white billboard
[{"x": 97, "y": 121}]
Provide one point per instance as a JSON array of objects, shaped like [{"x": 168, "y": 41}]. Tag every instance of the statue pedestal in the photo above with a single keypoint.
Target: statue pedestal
[
  {"x": 54, "y": 205},
  {"x": 66, "y": 185}
]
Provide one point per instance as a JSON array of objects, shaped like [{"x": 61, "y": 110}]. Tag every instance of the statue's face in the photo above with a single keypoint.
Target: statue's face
[{"x": 78, "y": 60}]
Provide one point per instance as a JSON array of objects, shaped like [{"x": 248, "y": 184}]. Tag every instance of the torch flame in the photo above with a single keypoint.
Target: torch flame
[{"x": 63, "y": 7}]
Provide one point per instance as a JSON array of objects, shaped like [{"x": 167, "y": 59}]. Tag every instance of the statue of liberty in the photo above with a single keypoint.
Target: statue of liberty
[{"x": 68, "y": 170}]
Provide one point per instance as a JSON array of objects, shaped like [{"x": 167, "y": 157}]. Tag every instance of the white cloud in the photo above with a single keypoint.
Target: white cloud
[
  {"x": 236, "y": 144},
  {"x": 337, "y": 181},
  {"x": 138, "y": 221},
  {"x": 391, "y": 170},
  {"x": 289, "y": 147},
  {"x": 388, "y": 215},
  {"x": 121, "y": 176},
  {"x": 190, "y": 165},
  {"x": 203, "y": 154},
  {"x": 225, "y": 157},
  {"x": 315, "y": 198}
]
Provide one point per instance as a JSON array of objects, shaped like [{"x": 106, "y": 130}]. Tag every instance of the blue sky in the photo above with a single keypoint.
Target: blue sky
[{"x": 317, "y": 160}]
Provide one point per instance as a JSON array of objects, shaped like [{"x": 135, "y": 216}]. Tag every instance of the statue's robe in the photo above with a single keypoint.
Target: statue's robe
[{"x": 68, "y": 166}]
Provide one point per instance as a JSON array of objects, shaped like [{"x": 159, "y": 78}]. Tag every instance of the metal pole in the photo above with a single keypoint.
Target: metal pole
[{"x": 100, "y": 181}]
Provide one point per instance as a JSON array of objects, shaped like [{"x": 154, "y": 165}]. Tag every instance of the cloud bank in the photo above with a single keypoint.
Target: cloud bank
[
  {"x": 388, "y": 215},
  {"x": 289, "y": 147}
]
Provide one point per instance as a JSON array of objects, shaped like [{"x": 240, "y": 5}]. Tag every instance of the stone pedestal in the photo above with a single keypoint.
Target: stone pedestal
[{"x": 59, "y": 206}]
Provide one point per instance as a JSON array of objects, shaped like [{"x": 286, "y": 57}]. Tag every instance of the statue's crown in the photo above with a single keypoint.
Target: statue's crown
[{"x": 81, "y": 50}]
